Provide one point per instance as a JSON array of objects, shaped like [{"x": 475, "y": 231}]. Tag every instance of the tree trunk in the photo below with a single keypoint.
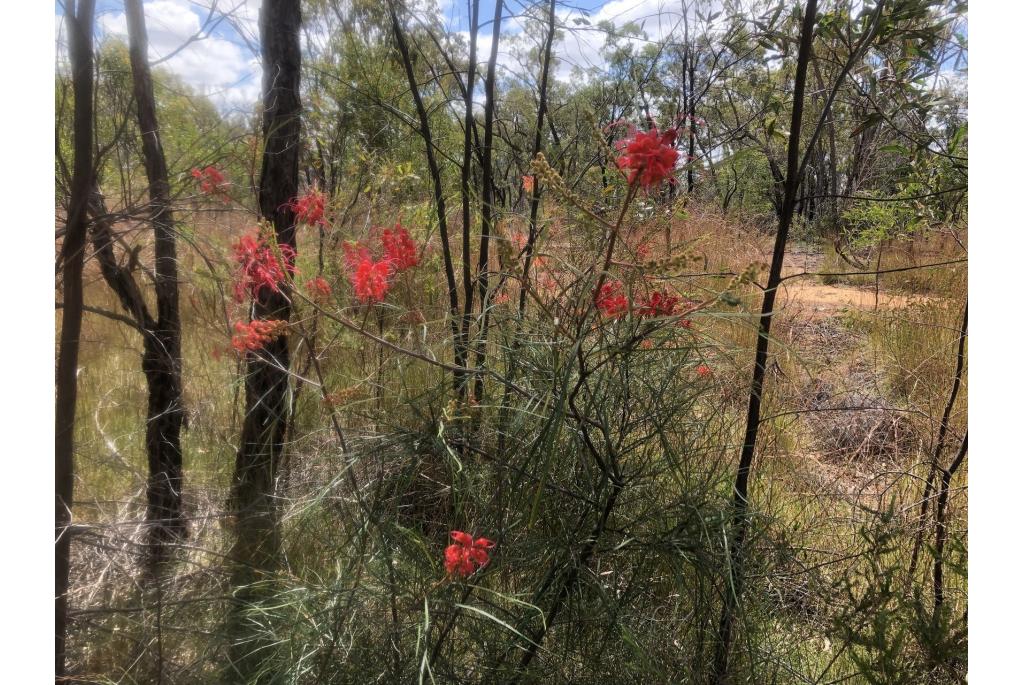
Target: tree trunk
[
  {"x": 435, "y": 174},
  {"x": 467, "y": 195},
  {"x": 80, "y": 23},
  {"x": 161, "y": 361},
  {"x": 542, "y": 108},
  {"x": 257, "y": 538},
  {"x": 487, "y": 210},
  {"x": 940, "y": 443},
  {"x": 740, "y": 523}
]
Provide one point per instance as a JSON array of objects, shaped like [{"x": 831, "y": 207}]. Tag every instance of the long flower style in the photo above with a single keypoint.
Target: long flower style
[
  {"x": 465, "y": 556},
  {"x": 310, "y": 208},
  {"x": 371, "y": 280},
  {"x": 260, "y": 266},
  {"x": 658, "y": 303},
  {"x": 399, "y": 248},
  {"x": 650, "y": 155},
  {"x": 211, "y": 181},
  {"x": 610, "y": 300},
  {"x": 255, "y": 334},
  {"x": 319, "y": 289}
]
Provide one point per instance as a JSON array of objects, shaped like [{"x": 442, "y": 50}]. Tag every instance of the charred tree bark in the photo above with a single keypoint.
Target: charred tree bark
[
  {"x": 257, "y": 537},
  {"x": 940, "y": 525},
  {"x": 691, "y": 102},
  {"x": 161, "y": 361},
  {"x": 80, "y": 23},
  {"x": 487, "y": 210},
  {"x": 467, "y": 195},
  {"x": 542, "y": 109},
  {"x": 741, "y": 505},
  {"x": 435, "y": 175},
  {"x": 940, "y": 443}
]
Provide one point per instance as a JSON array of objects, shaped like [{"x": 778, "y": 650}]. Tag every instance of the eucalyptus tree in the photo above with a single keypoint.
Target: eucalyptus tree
[
  {"x": 267, "y": 375},
  {"x": 79, "y": 18}
]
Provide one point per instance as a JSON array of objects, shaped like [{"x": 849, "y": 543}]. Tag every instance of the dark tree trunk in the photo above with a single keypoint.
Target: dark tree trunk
[
  {"x": 542, "y": 108},
  {"x": 257, "y": 538},
  {"x": 691, "y": 126},
  {"x": 740, "y": 523},
  {"x": 940, "y": 442},
  {"x": 467, "y": 195},
  {"x": 161, "y": 361},
  {"x": 435, "y": 174},
  {"x": 487, "y": 192},
  {"x": 940, "y": 525},
  {"x": 80, "y": 23}
]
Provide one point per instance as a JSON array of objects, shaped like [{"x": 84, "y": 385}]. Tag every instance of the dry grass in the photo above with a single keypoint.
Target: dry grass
[{"x": 824, "y": 462}]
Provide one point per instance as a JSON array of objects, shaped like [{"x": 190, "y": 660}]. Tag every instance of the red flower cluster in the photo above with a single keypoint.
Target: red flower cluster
[
  {"x": 704, "y": 371},
  {"x": 255, "y": 334},
  {"x": 399, "y": 248},
  {"x": 260, "y": 266},
  {"x": 611, "y": 301},
  {"x": 650, "y": 155},
  {"x": 319, "y": 289},
  {"x": 528, "y": 184},
  {"x": 372, "y": 278},
  {"x": 466, "y": 555},
  {"x": 309, "y": 208},
  {"x": 659, "y": 303},
  {"x": 211, "y": 181}
]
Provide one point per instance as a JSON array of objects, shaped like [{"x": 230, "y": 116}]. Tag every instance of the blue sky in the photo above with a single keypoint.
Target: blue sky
[
  {"x": 224, "y": 63},
  {"x": 224, "y": 66}
]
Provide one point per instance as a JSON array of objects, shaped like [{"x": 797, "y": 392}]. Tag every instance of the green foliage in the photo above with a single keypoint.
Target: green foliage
[{"x": 869, "y": 222}]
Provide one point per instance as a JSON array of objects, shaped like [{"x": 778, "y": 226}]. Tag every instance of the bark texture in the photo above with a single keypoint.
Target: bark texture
[
  {"x": 161, "y": 360},
  {"x": 257, "y": 535},
  {"x": 80, "y": 23}
]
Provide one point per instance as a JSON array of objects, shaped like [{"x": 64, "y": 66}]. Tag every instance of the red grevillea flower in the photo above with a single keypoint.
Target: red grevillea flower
[
  {"x": 650, "y": 156},
  {"x": 464, "y": 556},
  {"x": 255, "y": 334},
  {"x": 211, "y": 180},
  {"x": 399, "y": 248},
  {"x": 354, "y": 254},
  {"x": 528, "y": 184},
  {"x": 309, "y": 208},
  {"x": 371, "y": 280},
  {"x": 659, "y": 303},
  {"x": 319, "y": 289},
  {"x": 611, "y": 301},
  {"x": 260, "y": 266},
  {"x": 703, "y": 370}
]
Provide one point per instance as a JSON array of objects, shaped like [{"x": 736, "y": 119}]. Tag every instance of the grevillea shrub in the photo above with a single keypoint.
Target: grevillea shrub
[
  {"x": 310, "y": 208},
  {"x": 261, "y": 264},
  {"x": 587, "y": 473},
  {"x": 211, "y": 181}
]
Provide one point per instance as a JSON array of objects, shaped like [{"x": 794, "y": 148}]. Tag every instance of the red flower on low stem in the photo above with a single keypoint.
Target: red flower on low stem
[
  {"x": 704, "y": 371},
  {"x": 659, "y": 303},
  {"x": 260, "y": 266},
  {"x": 319, "y": 289},
  {"x": 211, "y": 181},
  {"x": 465, "y": 556},
  {"x": 528, "y": 184},
  {"x": 254, "y": 335},
  {"x": 399, "y": 248},
  {"x": 310, "y": 208},
  {"x": 650, "y": 155},
  {"x": 610, "y": 300},
  {"x": 371, "y": 280}
]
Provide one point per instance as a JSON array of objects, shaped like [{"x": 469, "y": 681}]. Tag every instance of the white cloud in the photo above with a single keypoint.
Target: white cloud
[{"x": 222, "y": 68}]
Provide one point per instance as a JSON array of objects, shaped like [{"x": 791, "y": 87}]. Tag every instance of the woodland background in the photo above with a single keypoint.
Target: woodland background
[{"x": 714, "y": 425}]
